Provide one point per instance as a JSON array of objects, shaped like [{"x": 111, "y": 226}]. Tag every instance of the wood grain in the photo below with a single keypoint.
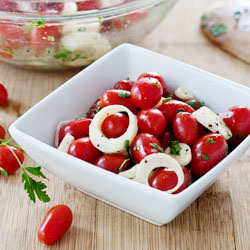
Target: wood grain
[{"x": 218, "y": 220}]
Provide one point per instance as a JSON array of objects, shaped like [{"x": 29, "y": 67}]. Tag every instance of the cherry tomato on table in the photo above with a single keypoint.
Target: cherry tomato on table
[
  {"x": 83, "y": 149},
  {"x": 8, "y": 161},
  {"x": 115, "y": 96},
  {"x": 171, "y": 108},
  {"x": 3, "y": 95},
  {"x": 124, "y": 85},
  {"x": 156, "y": 76},
  {"x": 144, "y": 144},
  {"x": 146, "y": 93},
  {"x": 55, "y": 224},
  {"x": 207, "y": 152},
  {"x": 151, "y": 121},
  {"x": 112, "y": 162},
  {"x": 237, "y": 118},
  {"x": 185, "y": 128},
  {"x": 78, "y": 129},
  {"x": 115, "y": 125}
]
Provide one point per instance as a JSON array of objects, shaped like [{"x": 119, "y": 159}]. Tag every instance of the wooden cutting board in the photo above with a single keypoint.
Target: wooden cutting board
[{"x": 218, "y": 220}]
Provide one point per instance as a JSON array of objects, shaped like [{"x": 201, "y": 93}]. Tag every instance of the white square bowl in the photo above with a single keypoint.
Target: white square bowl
[{"x": 34, "y": 131}]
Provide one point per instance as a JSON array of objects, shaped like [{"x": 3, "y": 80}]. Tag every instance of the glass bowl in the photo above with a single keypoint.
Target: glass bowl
[{"x": 59, "y": 34}]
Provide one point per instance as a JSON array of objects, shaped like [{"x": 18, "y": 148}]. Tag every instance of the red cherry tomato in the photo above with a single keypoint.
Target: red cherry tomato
[
  {"x": 55, "y": 224},
  {"x": 144, "y": 144},
  {"x": 156, "y": 76},
  {"x": 44, "y": 37},
  {"x": 238, "y": 120},
  {"x": 124, "y": 85},
  {"x": 207, "y": 152},
  {"x": 3, "y": 95},
  {"x": 115, "y": 125},
  {"x": 171, "y": 108},
  {"x": 8, "y": 161},
  {"x": 112, "y": 162},
  {"x": 2, "y": 132},
  {"x": 88, "y": 5},
  {"x": 151, "y": 121},
  {"x": 115, "y": 96},
  {"x": 78, "y": 129},
  {"x": 166, "y": 138},
  {"x": 94, "y": 109},
  {"x": 195, "y": 104},
  {"x": 187, "y": 180},
  {"x": 185, "y": 128},
  {"x": 83, "y": 149},
  {"x": 164, "y": 179},
  {"x": 146, "y": 93}
]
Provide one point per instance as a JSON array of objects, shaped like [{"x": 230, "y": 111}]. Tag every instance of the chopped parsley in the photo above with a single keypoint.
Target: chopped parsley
[
  {"x": 154, "y": 145},
  {"x": 126, "y": 143},
  {"x": 124, "y": 95},
  {"x": 211, "y": 141},
  {"x": 180, "y": 110},
  {"x": 67, "y": 55},
  {"x": 51, "y": 39},
  {"x": 136, "y": 148},
  {"x": 240, "y": 136},
  {"x": 12, "y": 52},
  {"x": 2, "y": 171},
  {"x": 167, "y": 99},
  {"x": 175, "y": 148},
  {"x": 217, "y": 29},
  {"x": 39, "y": 23},
  {"x": 237, "y": 15},
  {"x": 156, "y": 84},
  {"x": 97, "y": 109},
  {"x": 193, "y": 104},
  {"x": 120, "y": 169},
  {"x": 100, "y": 19},
  {"x": 205, "y": 157},
  {"x": 48, "y": 51}
]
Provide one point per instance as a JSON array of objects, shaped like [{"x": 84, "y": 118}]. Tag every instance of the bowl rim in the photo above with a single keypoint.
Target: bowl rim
[{"x": 115, "y": 10}]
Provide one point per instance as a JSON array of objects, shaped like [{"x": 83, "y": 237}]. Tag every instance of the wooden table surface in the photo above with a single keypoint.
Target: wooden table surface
[{"x": 218, "y": 220}]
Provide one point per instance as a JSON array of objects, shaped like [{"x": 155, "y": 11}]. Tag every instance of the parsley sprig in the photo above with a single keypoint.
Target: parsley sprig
[
  {"x": 175, "y": 148},
  {"x": 39, "y": 23},
  {"x": 34, "y": 188}
]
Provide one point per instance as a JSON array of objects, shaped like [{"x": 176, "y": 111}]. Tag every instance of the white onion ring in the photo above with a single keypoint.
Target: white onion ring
[
  {"x": 112, "y": 145},
  {"x": 153, "y": 161},
  {"x": 131, "y": 173},
  {"x": 65, "y": 143}
]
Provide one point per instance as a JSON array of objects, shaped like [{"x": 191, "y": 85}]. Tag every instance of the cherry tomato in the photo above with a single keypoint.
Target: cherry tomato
[
  {"x": 151, "y": 121},
  {"x": 88, "y": 5},
  {"x": 94, "y": 109},
  {"x": 8, "y": 161},
  {"x": 2, "y": 132},
  {"x": 238, "y": 120},
  {"x": 78, "y": 129},
  {"x": 55, "y": 224},
  {"x": 115, "y": 96},
  {"x": 166, "y": 138},
  {"x": 156, "y": 76},
  {"x": 44, "y": 37},
  {"x": 185, "y": 128},
  {"x": 124, "y": 85},
  {"x": 83, "y": 149},
  {"x": 112, "y": 162},
  {"x": 115, "y": 125},
  {"x": 187, "y": 180},
  {"x": 207, "y": 152},
  {"x": 195, "y": 104},
  {"x": 164, "y": 179},
  {"x": 146, "y": 93},
  {"x": 3, "y": 95},
  {"x": 144, "y": 144},
  {"x": 171, "y": 108}
]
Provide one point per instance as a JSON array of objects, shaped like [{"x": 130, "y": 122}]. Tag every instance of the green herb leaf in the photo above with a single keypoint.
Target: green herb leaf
[
  {"x": 51, "y": 39},
  {"x": 211, "y": 141},
  {"x": 39, "y": 23},
  {"x": 175, "y": 148},
  {"x": 226, "y": 153},
  {"x": 166, "y": 99},
  {"x": 136, "y": 148},
  {"x": 97, "y": 109},
  {"x": 124, "y": 95},
  {"x": 237, "y": 15},
  {"x": 154, "y": 145},
  {"x": 120, "y": 169},
  {"x": 67, "y": 55},
  {"x": 217, "y": 29},
  {"x": 2, "y": 171},
  {"x": 193, "y": 104},
  {"x": 126, "y": 143},
  {"x": 205, "y": 157},
  {"x": 36, "y": 171},
  {"x": 240, "y": 136},
  {"x": 189, "y": 178},
  {"x": 100, "y": 19},
  {"x": 180, "y": 110},
  {"x": 156, "y": 84},
  {"x": 81, "y": 29}
]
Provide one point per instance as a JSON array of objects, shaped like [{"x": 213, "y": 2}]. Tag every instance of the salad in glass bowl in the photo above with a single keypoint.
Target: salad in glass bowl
[{"x": 61, "y": 34}]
